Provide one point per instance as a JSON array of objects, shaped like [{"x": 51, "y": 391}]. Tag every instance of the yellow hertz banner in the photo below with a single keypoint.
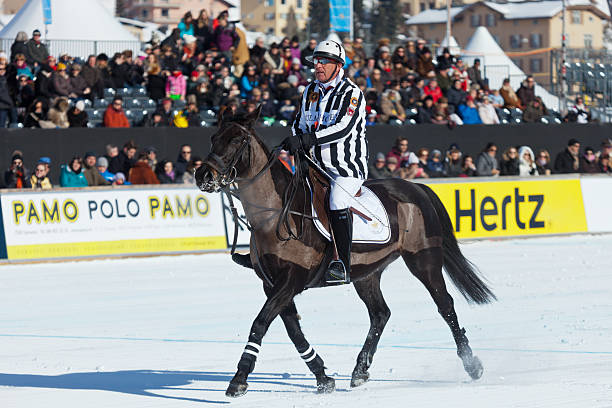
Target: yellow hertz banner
[{"x": 513, "y": 208}]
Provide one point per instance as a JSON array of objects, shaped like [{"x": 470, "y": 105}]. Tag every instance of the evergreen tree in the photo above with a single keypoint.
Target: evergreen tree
[
  {"x": 318, "y": 11},
  {"x": 387, "y": 18},
  {"x": 359, "y": 17},
  {"x": 291, "y": 28}
]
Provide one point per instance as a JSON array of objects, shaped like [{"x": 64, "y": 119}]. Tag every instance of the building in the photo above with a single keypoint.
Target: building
[
  {"x": 271, "y": 16},
  {"x": 170, "y": 12},
  {"x": 13, "y": 6},
  {"x": 525, "y": 30}
]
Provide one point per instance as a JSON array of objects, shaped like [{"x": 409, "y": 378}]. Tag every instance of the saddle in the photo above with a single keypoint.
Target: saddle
[{"x": 370, "y": 218}]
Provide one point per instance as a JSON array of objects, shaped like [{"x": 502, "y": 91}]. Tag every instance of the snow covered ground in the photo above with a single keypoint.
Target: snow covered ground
[{"x": 168, "y": 332}]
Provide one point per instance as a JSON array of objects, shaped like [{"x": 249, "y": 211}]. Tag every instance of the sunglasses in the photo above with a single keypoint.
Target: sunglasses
[
  {"x": 323, "y": 61},
  {"x": 186, "y": 151}
]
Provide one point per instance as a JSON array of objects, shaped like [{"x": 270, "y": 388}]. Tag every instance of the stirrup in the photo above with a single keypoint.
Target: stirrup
[{"x": 336, "y": 273}]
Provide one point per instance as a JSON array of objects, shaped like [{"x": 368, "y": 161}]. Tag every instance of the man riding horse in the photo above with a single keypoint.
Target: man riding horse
[{"x": 330, "y": 127}]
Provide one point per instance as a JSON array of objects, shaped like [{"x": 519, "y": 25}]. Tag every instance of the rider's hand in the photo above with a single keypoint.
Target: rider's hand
[
  {"x": 292, "y": 144},
  {"x": 308, "y": 140}
]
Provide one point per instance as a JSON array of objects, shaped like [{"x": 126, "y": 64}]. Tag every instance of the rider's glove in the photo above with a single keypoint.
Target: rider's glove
[
  {"x": 308, "y": 140},
  {"x": 292, "y": 144}
]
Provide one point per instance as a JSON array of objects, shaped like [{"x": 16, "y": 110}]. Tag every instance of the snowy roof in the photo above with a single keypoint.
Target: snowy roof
[
  {"x": 433, "y": 16},
  {"x": 511, "y": 11}
]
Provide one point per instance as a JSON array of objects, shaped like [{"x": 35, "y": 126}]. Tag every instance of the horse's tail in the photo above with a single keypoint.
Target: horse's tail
[{"x": 463, "y": 273}]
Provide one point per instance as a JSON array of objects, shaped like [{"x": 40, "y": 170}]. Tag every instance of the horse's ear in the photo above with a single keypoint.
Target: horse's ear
[
  {"x": 225, "y": 115},
  {"x": 252, "y": 117}
]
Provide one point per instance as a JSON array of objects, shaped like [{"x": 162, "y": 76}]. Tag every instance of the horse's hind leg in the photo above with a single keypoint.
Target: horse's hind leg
[
  {"x": 369, "y": 291},
  {"x": 426, "y": 265},
  {"x": 314, "y": 362}
]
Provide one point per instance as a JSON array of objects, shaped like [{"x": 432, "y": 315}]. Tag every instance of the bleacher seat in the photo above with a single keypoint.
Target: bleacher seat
[
  {"x": 109, "y": 93},
  {"x": 139, "y": 92},
  {"x": 101, "y": 103},
  {"x": 179, "y": 104},
  {"x": 123, "y": 92}
]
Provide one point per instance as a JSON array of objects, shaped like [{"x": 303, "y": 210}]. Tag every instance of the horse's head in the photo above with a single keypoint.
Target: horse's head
[{"x": 230, "y": 152}]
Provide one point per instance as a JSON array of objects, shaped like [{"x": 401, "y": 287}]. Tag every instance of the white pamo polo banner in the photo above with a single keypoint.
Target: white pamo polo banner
[{"x": 75, "y": 223}]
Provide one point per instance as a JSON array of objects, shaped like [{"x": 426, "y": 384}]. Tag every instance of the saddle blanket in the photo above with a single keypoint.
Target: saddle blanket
[{"x": 375, "y": 231}]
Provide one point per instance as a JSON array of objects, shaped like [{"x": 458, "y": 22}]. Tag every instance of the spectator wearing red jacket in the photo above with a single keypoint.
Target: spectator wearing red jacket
[
  {"x": 114, "y": 117},
  {"x": 433, "y": 89}
]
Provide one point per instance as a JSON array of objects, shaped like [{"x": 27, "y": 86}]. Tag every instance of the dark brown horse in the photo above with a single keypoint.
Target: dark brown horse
[{"x": 422, "y": 235}]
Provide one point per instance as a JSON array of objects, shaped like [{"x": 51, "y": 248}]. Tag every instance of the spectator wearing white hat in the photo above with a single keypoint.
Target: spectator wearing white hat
[{"x": 77, "y": 117}]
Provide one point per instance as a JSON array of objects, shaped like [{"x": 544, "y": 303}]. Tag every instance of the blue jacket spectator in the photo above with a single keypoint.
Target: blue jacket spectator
[
  {"x": 248, "y": 82},
  {"x": 72, "y": 174},
  {"x": 469, "y": 113},
  {"x": 186, "y": 24}
]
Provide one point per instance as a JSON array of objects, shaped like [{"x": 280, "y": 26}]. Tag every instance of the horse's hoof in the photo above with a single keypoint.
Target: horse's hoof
[
  {"x": 359, "y": 378},
  {"x": 473, "y": 367},
  {"x": 326, "y": 385},
  {"x": 236, "y": 390}
]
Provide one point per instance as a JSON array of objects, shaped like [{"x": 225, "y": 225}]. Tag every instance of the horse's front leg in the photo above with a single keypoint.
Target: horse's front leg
[
  {"x": 277, "y": 301},
  {"x": 314, "y": 362}
]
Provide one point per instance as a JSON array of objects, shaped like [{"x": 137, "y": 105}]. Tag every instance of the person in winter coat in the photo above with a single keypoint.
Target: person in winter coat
[
  {"x": 378, "y": 169},
  {"x": 391, "y": 106},
  {"x": 534, "y": 111},
  {"x": 7, "y": 108},
  {"x": 123, "y": 162},
  {"x": 400, "y": 151},
  {"x": 456, "y": 95},
  {"x": 58, "y": 114},
  {"x": 426, "y": 112},
  {"x": 509, "y": 165},
  {"x": 527, "y": 164},
  {"x": 579, "y": 113},
  {"x": 19, "y": 46},
  {"x": 120, "y": 71},
  {"x": 486, "y": 164},
  {"x": 273, "y": 58},
  {"x": 249, "y": 81},
  {"x": 35, "y": 113},
  {"x": 468, "y": 169},
  {"x": 176, "y": 86},
  {"x": 36, "y": 52},
  {"x": 102, "y": 166},
  {"x": 61, "y": 82},
  {"x": 453, "y": 164},
  {"x": 476, "y": 76},
  {"x": 511, "y": 100},
  {"x": 78, "y": 84},
  {"x": 225, "y": 37},
  {"x": 114, "y": 117},
  {"x": 93, "y": 78},
  {"x": 588, "y": 162},
  {"x": 487, "y": 113},
  {"x": 543, "y": 164},
  {"x": 90, "y": 171},
  {"x": 189, "y": 175},
  {"x": 77, "y": 117},
  {"x": 425, "y": 66},
  {"x": 240, "y": 55},
  {"x": 433, "y": 89},
  {"x": 182, "y": 160},
  {"x": 435, "y": 165},
  {"x": 165, "y": 172},
  {"x": 186, "y": 26},
  {"x": 72, "y": 174},
  {"x": 202, "y": 30},
  {"x": 141, "y": 172},
  {"x": 568, "y": 161},
  {"x": 469, "y": 112},
  {"x": 526, "y": 93},
  {"x": 17, "y": 175},
  {"x": 156, "y": 83},
  {"x": 43, "y": 86},
  {"x": 39, "y": 180}
]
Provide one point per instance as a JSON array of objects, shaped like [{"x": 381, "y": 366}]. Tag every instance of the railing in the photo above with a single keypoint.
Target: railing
[{"x": 80, "y": 48}]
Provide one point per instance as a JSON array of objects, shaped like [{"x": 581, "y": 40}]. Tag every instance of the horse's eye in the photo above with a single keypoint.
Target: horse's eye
[{"x": 236, "y": 141}]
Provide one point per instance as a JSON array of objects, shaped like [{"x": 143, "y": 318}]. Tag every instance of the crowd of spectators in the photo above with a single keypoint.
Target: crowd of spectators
[
  {"x": 117, "y": 166},
  {"x": 129, "y": 165},
  {"x": 205, "y": 65},
  {"x": 402, "y": 162}
]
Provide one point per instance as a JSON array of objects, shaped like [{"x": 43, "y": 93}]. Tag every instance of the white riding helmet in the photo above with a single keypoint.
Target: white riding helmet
[{"x": 329, "y": 49}]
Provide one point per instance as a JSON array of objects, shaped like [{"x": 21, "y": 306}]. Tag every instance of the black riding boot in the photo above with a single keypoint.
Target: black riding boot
[{"x": 339, "y": 272}]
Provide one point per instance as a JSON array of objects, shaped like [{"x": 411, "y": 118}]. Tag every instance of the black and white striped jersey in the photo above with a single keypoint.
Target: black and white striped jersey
[{"x": 337, "y": 116}]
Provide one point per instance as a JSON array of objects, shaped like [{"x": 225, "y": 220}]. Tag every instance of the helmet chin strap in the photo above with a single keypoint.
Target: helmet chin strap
[{"x": 333, "y": 74}]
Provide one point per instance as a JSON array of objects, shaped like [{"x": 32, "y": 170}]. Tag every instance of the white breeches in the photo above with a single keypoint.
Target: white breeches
[{"x": 343, "y": 189}]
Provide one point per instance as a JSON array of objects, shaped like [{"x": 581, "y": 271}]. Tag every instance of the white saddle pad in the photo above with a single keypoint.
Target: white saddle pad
[{"x": 375, "y": 231}]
